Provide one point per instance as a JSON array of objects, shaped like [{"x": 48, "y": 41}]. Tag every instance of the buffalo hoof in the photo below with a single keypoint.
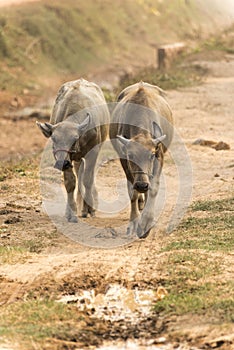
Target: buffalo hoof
[
  {"x": 72, "y": 219},
  {"x": 141, "y": 234},
  {"x": 91, "y": 212}
]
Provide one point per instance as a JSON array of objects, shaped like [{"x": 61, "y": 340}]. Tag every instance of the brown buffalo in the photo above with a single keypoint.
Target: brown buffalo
[
  {"x": 141, "y": 131},
  {"x": 78, "y": 125}
]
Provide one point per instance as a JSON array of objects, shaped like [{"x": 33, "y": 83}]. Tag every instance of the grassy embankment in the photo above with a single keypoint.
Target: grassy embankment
[
  {"x": 41, "y": 43},
  {"x": 197, "y": 259}
]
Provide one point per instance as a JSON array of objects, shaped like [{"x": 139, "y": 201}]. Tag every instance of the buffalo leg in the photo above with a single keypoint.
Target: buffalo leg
[
  {"x": 70, "y": 185},
  {"x": 135, "y": 213},
  {"x": 134, "y": 196},
  {"x": 79, "y": 197},
  {"x": 146, "y": 221},
  {"x": 91, "y": 195}
]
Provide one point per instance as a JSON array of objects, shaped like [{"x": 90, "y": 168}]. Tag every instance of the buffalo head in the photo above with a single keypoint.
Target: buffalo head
[
  {"x": 64, "y": 136},
  {"x": 143, "y": 153}
]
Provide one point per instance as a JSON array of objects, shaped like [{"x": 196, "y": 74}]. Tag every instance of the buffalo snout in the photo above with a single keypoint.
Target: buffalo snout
[
  {"x": 141, "y": 187},
  {"x": 63, "y": 165}
]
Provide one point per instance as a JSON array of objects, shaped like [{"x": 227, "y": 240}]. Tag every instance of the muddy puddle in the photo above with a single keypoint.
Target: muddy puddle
[
  {"x": 126, "y": 306},
  {"x": 136, "y": 345},
  {"x": 117, "y": 303}
]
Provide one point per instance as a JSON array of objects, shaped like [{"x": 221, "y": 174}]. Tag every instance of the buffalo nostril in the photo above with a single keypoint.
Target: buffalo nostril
[
  {"x": 67, "y": 165},
  {"x": 144, "y": 186},
  {"x": 141, "y": 186},
  {"x": 62, "y": 165},
  {"x": 59, "y": 165}
]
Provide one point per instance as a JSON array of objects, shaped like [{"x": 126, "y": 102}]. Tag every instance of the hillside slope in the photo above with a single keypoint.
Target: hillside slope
[{"x": 42, "y": 43}]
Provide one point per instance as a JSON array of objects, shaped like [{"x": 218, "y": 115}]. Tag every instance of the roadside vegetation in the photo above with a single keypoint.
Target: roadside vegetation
[
  {"x": 185, "y": 69},
  {"x": 181, "y": 74},
  {"x": 198, "y": 258}
]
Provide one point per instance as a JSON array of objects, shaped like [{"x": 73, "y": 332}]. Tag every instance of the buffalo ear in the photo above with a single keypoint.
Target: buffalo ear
[
  {"x": 122, "y": 144},
  {"x": 45, "y": 128},
  {"x": 157, "y": 131},
  {"x": 83, "y": 126},
  {"x": 123, "y": 140}
]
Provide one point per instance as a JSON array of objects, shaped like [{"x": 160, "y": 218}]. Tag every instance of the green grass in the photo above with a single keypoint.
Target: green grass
[
  {"x": 212, "y": 232},
  {"x": 194, "y": 265},
  {"x": 37, "y": 319},
  {"x": 208, "y": 299},
  {"x": 25, "y": 167},
  {"x": 209, "y": 234},
  {"x": 40, "y": 241},
  {"x": 49, "y": 325},
  {"x": 175, "y": 77},
  {"x": 12, "y": 254},
  {"x": 222, "y": 42},
  {"x": 214, "y": 206}
]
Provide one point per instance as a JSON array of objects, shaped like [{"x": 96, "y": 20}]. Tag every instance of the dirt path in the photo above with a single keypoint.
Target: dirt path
[{"x": 204, "y": 111}]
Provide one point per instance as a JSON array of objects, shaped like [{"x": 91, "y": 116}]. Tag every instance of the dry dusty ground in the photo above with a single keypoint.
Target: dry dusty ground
[{"x": 58, "y": 263}]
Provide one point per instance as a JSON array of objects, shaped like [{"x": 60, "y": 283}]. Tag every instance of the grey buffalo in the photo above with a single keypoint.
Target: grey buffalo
[
  {"x": 78, "y": 125},
  {"x": 141, "y": 130}
]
